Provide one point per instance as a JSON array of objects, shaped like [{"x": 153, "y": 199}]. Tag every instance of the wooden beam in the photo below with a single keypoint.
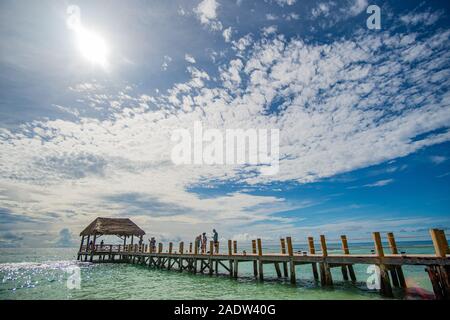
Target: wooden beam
[
  {"x": 277, "y": 269},
  {"x": 283, "y": 251},
  {"x": 255, "y": 264},
  {"x": 444, "y": 241},
  {"x": 230, "y": 253},
  {"x": 312, "y": 250},
  {"x": 180, "y": 251},
  {"x": 378, "y": 245},
  {"x": 323, "y": 246},
  {"x": 385, "y": 283},
  {"x": 211, "y": 252},
  {"x": 398, "y": 278},
  {"x": 325, "y": 272},
  {"x": 439, "y": 246},
  {"x": 81, "y": 247},
  {"x": 260, "y": 264},
  {"x": 348, "y": 267},
  {"x": 291, "y": 260}
]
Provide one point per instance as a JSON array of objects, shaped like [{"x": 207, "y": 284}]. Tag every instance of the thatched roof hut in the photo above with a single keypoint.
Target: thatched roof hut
[
  {"x": 112, "y": 226},
  {"x": 120, "y": 227}
]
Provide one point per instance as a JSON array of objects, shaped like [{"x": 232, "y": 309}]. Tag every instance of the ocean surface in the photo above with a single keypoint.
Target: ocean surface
[{"x": 52, "y": 273}]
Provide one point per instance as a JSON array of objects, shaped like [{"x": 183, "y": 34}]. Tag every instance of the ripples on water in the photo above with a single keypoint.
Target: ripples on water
[{"x": 48, "y": 280}]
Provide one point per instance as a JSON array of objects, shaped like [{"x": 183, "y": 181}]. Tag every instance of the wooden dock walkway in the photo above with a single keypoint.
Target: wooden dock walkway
[{"x": 389, "y": 265}]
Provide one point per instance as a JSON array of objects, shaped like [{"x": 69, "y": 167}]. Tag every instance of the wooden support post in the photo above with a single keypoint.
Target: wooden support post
[
  {"x": 440, "y": 273},
  {"x": 180, "y": 260},
  {"x": 385, "y": 283},
  {"x": 81, "y": 247},
  {"x": 255, "y": 264},
  {"x": 291, "y": 260},
  {"x": 235, "y": 261},
  {"x": 169, "y": 259},
  {"x": 260, "y": 263},
  {"x": 87, "y": 243},
  {"x": 93, "y": 248},
  {"x": 230, "y": 253},
  {"x": 325, "y": 272},
  {"x": 397, "y": 275},
  {"x": 190, "y": 247},
  {"x": 348, "y": 267},
  {"x": 443, "y": 240},
  {"x": 283, "y": 251},
  {"x": 439, "y": 247},
  {"x": 211, "y": 252},
  {"x": 160, "y": 247},
  {"x": 435, "y": 282},
  {"x": 312, "y": 250},
  {"x": 194, "y": 261},
  {"x": 277, "y": 269}
]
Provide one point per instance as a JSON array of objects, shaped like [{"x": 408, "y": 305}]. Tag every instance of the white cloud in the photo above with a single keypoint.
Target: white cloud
[
  {"x": 426, "y": 18},
  {"x": 166, "y": 61},
  {"x": 357, "y": 7},
  {"x": 269, "y": 30},
  {"x": 271, "y": 17},
  {"x": 285, "y": 2},
  {"x": 322, "y": 9},
  {"x": 207, "y": 14},
  {"x": 189, "y": 58},
  {"x": 438, "y": 159},
  {"x": 227, "y": 33},
  {"x": 380, "y": 183},
  {"x": 340, "y": 106}
]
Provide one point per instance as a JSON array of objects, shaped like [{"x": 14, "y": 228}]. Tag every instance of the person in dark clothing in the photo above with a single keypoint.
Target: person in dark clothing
[
  {"x": 204, "y": 241},
  {"x": 216, "y": 240}
]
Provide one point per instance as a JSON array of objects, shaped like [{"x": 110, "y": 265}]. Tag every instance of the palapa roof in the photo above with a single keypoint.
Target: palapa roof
[{"x": 112, "y": 226}]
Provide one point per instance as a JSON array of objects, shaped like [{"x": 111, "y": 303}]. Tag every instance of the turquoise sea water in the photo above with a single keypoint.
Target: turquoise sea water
[{"x": 43, "y": 273}]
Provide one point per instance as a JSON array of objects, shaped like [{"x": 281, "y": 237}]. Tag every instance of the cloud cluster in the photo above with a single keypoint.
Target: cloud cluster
[
  {"x": 206, "y": 12},
  {"x": 339, "y": 106},
  {"x": 426, "y": 18}
]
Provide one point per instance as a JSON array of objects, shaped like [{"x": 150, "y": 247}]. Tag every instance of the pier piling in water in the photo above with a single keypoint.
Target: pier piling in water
[{"x": 312, "y": 251}]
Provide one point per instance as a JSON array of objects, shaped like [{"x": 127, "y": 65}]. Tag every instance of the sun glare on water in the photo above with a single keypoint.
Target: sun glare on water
[{"x": 91, "y": 45}]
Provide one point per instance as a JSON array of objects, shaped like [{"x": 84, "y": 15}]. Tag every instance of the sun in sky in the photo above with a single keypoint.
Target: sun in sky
[{"x": 90, "y": 44}]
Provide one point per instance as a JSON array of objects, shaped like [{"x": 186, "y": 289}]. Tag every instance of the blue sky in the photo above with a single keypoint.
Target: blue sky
[{"x": 363, "y": 117}]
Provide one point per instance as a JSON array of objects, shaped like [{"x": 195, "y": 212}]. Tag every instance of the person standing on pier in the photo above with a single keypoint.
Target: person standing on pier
[
  {"x": 204, "y": 241},
  {"x": 153, "y": 244},
  {"x": 216, "y": 240}
]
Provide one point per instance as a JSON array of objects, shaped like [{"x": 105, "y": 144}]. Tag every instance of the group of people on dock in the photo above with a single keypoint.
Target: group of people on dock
[{"x": 201, "y": 242}]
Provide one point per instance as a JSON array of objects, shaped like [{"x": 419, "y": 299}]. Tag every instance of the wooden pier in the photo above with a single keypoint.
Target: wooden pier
[{"x": 389, "y": 265}]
